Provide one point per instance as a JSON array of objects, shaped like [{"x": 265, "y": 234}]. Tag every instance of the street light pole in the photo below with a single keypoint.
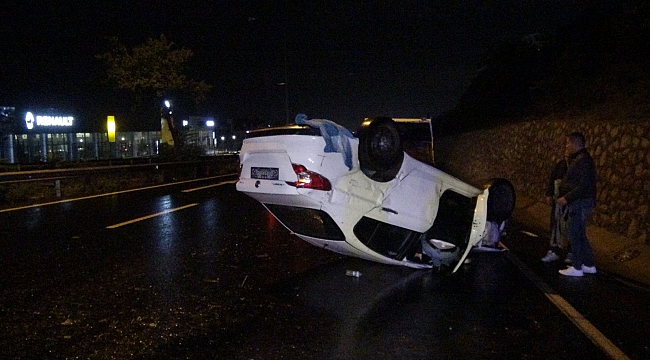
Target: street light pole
[
  {"x": 286, "y": 84},
  {"x": 286, "y": 71}
]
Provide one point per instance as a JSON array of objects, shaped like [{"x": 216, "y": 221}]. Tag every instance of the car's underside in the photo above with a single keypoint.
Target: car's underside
[{"x": 381, "y": 205}]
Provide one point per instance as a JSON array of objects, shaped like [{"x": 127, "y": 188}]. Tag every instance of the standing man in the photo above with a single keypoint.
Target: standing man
[{"x": 578, "y": 193}]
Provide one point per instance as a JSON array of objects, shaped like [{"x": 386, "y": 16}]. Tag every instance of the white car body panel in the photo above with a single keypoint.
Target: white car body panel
[{"x": 409, "y": 201}]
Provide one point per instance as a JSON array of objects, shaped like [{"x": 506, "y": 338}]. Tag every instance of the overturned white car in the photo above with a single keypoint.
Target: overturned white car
[{"x": 364, "y": 196}]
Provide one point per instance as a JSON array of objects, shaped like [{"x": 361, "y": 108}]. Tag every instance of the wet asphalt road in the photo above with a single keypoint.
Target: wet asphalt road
[{"x": 214, "y": 276}]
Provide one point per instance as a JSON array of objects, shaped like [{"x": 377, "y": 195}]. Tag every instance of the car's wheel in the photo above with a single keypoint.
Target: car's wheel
[
  {"x": 380, "y": 148},
  {"x": 501, "y": 200}
]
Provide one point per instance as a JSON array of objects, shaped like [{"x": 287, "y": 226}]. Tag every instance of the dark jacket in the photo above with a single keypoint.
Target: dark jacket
[
  {"x": 579, "y": 182},
  {"x": 557, "y": 174}
]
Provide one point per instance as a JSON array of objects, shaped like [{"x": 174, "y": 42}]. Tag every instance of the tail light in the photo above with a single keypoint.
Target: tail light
[{"x": 309, "y": 179}]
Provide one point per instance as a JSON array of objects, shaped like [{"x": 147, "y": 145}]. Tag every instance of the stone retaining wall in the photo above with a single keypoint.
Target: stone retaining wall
[{"x": 526, "y": 152}]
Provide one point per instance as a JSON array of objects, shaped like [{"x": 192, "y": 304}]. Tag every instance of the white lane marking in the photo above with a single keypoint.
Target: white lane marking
[
  {"x": 209, "y": 186},
  {"x": 109, "y": 194},
  {"x": 150, "y": 216},
  {"x": 583, "y": 324}
]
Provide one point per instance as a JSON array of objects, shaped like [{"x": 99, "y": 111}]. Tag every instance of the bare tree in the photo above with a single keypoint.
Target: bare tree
[{"x": 153, "y": 71}]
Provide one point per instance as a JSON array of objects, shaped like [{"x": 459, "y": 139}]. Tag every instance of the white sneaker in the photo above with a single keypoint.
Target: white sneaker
[
  {"x": 550, "y": 256},
  {"x": 588, "y": 269},
  {"x": 571, "y": 271}
]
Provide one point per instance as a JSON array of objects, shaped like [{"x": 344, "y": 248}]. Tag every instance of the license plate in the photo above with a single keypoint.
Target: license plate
[{"x": 264, "y": 173}]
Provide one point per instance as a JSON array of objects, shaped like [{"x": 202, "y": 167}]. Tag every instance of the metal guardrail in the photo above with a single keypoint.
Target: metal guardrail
[
  {"x": 19, "y": 188},
  {"x": 93, "y": 168}
]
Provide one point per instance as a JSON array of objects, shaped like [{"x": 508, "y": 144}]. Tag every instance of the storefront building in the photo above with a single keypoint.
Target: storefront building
[
  {"x": 47, "y": 135},
  {"x": 29, "y": 136}
]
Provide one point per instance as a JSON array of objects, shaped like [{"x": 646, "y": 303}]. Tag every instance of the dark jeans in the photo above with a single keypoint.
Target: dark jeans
[{"x": 579, "y": 211}]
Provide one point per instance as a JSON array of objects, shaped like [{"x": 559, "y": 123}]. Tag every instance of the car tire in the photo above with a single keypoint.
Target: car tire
[
  {"x": 380, "y": 148},
  {"x": 501, "y": 200}
]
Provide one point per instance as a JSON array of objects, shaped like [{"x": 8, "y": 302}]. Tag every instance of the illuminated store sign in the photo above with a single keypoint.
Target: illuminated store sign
[{"x": 45, "y": 120}]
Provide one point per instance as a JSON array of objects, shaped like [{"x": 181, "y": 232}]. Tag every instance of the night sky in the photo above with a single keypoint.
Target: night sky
[{"x": 345, "y": 60}]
